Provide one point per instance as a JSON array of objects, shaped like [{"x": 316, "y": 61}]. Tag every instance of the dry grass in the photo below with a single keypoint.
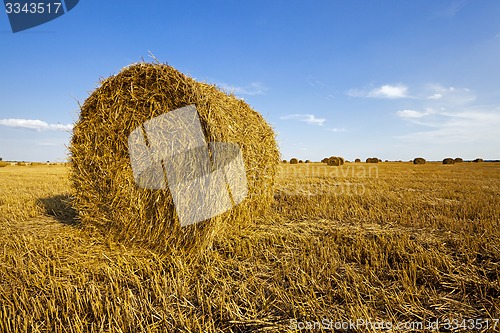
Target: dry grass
[{"x": 383, "y": 242}]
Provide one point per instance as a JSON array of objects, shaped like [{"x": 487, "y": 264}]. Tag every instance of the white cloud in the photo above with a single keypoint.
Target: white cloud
[
  {"x": 435, "y": 96},
  {"x": 335, "y": 129},
  {"x": 388, "y": 91},
  {"x": 412, "y": 114},
  {"x": 445, "y": 127},
  {"x": 34, "y": 124},
  {"x": 450, "y": 117},
  {"x": 307, "y": 118},
  {"x": 450, "y": 95},
  {"x": 385, "y": 91},
  {"x": 254, "y": 88}
]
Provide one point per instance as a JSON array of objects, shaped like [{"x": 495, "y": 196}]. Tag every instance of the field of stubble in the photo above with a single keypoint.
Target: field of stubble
[{"x": 356, "y": 246}]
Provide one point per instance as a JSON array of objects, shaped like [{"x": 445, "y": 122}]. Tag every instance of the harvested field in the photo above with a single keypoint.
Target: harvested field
[{"x": 393, "y": 242}]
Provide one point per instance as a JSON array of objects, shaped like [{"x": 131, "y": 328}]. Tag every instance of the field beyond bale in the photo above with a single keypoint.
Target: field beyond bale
[{"x": 362, "y": 244}]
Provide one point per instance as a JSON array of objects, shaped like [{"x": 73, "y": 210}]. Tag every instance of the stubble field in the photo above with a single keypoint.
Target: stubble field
[{"x": 358, "y": 247}]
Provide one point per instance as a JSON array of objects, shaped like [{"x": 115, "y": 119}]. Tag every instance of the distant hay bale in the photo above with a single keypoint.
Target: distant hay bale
[
  {"x": 478, "y": 160},
  {"x": 342, "y": 160},
  {"x": 308, "y": 161},
  {"x": 333, "y": 161},
  {"x": 293, "y": 160},
  {"x": 21, "y": 164},
  {"x": 372, "y": 160},
  {"x": 3, "y": 164},
  {"x": 300, "y": 161},
  {"x": 105, "y": 192},
  {"x": 448, "y": 160},
  {"x": 357, "y": 160},
  {"x": 284, "y": 161},
  {"x": 419, "y": 160},
  {"x": 459, "y": 160},
  {"x": 325, "y": 160}
]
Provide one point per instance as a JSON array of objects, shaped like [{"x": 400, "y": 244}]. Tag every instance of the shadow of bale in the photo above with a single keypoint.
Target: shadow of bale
[{"x": 59, "y": 207}]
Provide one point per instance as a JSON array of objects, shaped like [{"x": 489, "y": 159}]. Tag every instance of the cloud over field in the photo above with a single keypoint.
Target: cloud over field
[
  {"x": 35, "y": 124},
  {"x": 384, "y": 91},
  {"x": 306, "y": 118}
]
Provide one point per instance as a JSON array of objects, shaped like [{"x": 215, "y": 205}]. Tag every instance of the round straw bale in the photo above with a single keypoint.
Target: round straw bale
[
  {"x": 372, "y": 160},
  {"x": 300, "y": 161},
  {"x": 293, "y": 160},
  {"x": 342, "y": 160},
  {"x": 284, "y": 161},
  {"x": 335, "y": 161},
  {"x": 419, "y": 160},
  {"x": 308, "y": 161},
  {"x": 357, "y": 160},
  {"x": 448, "y": 160},
  {"x": 106, "y": 195},
  {"x": 478, "y": 160},
  {"x": 459, "y": 160}
]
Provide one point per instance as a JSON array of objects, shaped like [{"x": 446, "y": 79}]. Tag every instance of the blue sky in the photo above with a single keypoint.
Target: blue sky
[{"x": 391, "y": 79}]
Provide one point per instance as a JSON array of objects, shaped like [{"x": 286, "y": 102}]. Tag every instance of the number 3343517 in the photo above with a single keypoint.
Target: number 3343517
[{"x": 33, "y": 7}]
